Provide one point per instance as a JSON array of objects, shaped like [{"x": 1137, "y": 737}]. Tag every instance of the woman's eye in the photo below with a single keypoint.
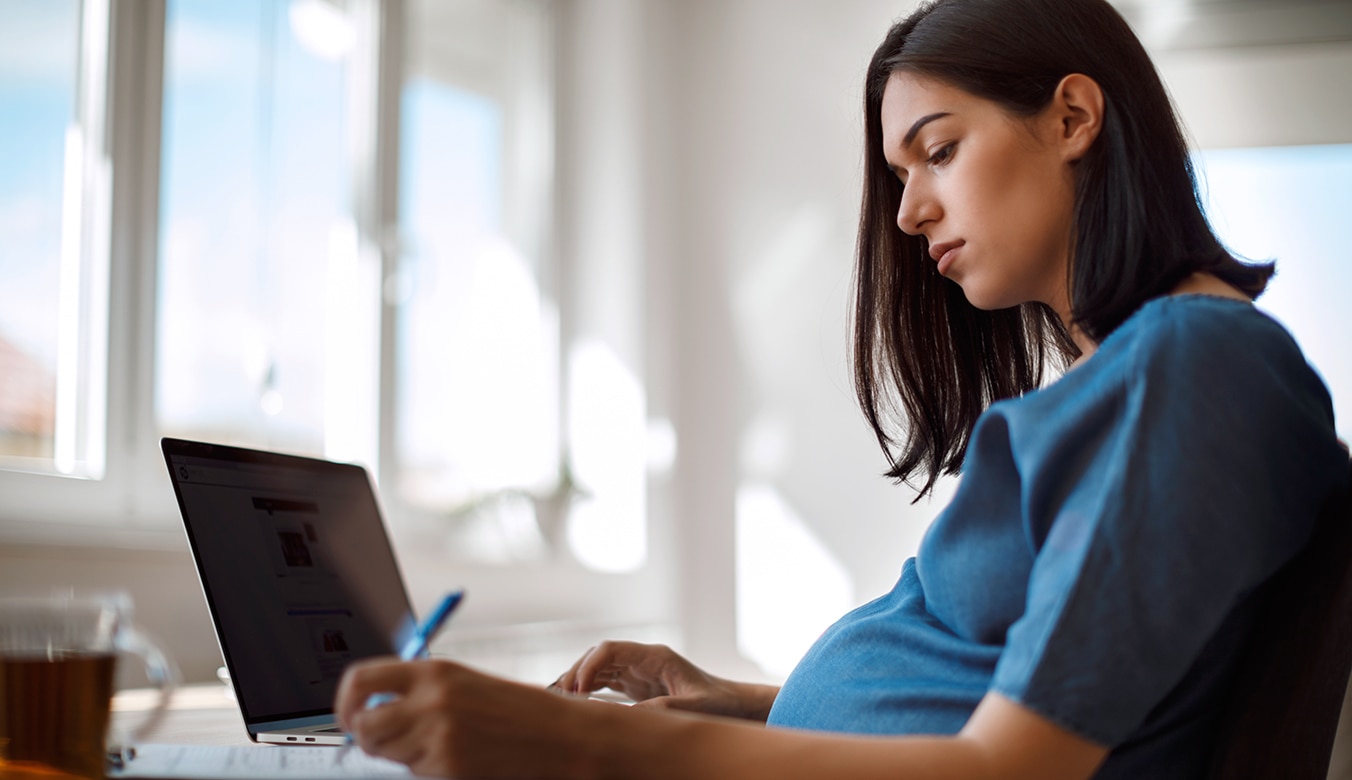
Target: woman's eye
[{"x": 942, "y": 156}]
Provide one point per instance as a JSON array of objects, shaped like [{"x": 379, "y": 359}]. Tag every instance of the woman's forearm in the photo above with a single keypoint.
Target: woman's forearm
[
  {"x": 756, "y": 699},
  {"x": 664, "y": 746}
]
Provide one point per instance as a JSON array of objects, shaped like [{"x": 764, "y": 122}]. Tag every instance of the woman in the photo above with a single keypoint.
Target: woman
[{"x": 1077, "y": 609}]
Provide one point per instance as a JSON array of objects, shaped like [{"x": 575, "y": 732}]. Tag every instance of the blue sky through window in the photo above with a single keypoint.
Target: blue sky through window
[
  {"x": 38, "y": 61},
  {"x": 255, "y": 189}
]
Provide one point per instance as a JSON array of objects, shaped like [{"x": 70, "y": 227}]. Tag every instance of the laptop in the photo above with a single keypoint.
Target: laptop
[{"x": 299, "y": 577}]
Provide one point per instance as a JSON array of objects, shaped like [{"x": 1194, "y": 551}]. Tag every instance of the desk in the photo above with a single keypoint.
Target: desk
[{"x": 198, "y": 715}]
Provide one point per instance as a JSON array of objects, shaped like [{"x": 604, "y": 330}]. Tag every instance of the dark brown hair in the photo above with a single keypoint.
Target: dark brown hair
[{"x": 926, "y": 362}]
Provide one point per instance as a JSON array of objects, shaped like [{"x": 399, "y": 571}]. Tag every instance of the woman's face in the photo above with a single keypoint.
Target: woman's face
[{"x": 991, "y": 193}]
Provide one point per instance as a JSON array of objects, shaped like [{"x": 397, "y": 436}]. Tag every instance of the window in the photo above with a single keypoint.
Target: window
[
  {"x": 516, "y": 436},
  {"x": 261, "y": 283},
  {"x": 259, "y": 307},
  {"x": 1289, "y": 204},
  {"x": 53, "y": 201},
  {"x": 477, "y": 416}
]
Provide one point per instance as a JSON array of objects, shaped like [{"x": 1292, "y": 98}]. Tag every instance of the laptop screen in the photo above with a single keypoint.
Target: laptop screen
[{"x": 297, "y": 569}]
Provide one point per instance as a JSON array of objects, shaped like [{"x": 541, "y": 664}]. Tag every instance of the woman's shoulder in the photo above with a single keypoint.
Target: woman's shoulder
[
  {"x": 1212, "y": 335},
  {"x": 1180, "y": 351},
  {"x": 1181, "y": 360},
  {"x": 1191, "y": 320},
  {"x": 1190, "y": 351}
]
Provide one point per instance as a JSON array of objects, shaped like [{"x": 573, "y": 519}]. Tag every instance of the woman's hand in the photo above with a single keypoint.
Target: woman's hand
[
  {"x": 446, "y": 720},
  {"x": 656, "y": 676}
]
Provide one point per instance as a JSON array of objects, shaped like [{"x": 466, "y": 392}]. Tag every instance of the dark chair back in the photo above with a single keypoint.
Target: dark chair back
[{"x": 1284, "y": 712}]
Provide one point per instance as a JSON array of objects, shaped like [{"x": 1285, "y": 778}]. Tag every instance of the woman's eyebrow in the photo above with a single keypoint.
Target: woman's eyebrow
[{"x": 919, "y": 123}]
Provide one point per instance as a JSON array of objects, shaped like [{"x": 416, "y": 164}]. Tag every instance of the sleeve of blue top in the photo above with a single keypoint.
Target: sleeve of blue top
[{"x": 1209, "y": 480}]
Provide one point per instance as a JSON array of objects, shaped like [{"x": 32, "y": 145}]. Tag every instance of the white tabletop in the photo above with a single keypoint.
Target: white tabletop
[{"x": 203, "y": 714}]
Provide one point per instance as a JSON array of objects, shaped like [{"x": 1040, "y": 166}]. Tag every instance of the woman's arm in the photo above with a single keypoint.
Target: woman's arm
[
  {"x": 1002, "y": 740},
  {"x": 452, "y": 721}
]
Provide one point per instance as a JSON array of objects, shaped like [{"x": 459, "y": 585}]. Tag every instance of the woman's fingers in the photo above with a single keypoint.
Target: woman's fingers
[
  {"x": 640, "y": 671},
  {"x": 622, "y": 666},
  {"x": 381, "y": 730},
  {"x": 567, "y": 681},
  {"x": 597, "y": 668},
  {"x": 397, "y": 732},
  {"x": 363, "y": 679},
  {"x": 412, "y": 727}
]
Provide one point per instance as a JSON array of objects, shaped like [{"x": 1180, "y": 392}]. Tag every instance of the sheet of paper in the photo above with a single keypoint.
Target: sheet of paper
[{"x": 254, "y": 762}]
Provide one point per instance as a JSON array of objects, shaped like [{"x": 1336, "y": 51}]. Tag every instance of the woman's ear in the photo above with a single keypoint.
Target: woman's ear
[{"x": 1077, "y": 107}]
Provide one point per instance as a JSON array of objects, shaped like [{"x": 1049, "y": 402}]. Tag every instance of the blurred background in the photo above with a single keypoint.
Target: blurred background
[{"x": 570, "y": 277}]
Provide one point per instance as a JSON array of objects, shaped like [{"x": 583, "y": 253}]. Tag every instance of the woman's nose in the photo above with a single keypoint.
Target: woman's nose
[{"x": 916, "y": 209}]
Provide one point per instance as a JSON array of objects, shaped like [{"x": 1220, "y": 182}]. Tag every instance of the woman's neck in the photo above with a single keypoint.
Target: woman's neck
[
  {"x": 1087, "y": 346},
  {"x": 1196, "y": 284},
  {"x": 1207, "y": 284}
]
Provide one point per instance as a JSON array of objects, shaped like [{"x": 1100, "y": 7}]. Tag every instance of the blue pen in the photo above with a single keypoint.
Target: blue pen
[{"x": 416, "y": 646}]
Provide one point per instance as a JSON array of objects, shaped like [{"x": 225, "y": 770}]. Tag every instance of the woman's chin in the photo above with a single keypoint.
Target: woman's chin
[
  {"x": 984, "y": 299},
  {"x": 987, "y": 297}
]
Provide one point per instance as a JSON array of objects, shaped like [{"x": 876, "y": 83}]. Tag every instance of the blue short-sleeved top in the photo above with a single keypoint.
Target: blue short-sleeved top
[{"x": 1096, "y": 562}]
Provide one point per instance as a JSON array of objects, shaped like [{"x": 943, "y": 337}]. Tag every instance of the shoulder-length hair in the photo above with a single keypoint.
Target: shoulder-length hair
[{"x": 926, "y": 362}]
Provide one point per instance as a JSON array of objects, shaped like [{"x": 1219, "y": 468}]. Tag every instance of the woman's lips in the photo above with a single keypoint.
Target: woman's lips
[{"x": 944, "y": 254}]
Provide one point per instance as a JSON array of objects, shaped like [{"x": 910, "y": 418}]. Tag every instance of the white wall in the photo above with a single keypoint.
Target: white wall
[
  {"x": 1262, "y": 96},
  {"x": 768, "y": 143}
]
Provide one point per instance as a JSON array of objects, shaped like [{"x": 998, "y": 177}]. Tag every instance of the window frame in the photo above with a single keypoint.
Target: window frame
[{"x": 121, "y": 56}]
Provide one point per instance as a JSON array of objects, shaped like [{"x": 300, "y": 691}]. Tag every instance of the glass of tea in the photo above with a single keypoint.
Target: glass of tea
[{"x": 58, "y": 655}]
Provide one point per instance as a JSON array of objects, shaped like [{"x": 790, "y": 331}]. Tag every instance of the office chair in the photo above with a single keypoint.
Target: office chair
[{"x": 1283, "y": 714}]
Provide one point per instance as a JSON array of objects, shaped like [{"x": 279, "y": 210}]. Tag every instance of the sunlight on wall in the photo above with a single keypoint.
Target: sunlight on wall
[
  {"x": 789, "y": 586},
  {"x": 351, "y": 347},
  {"x": 662, "y": 446},
  {"x": 607, "y": 529},
  {"x": 477, "y": 412},
  {"x": 789, "y": 256},
  {"x": 1291, "y": 204},
  {"x": 765, "y": 446}
]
